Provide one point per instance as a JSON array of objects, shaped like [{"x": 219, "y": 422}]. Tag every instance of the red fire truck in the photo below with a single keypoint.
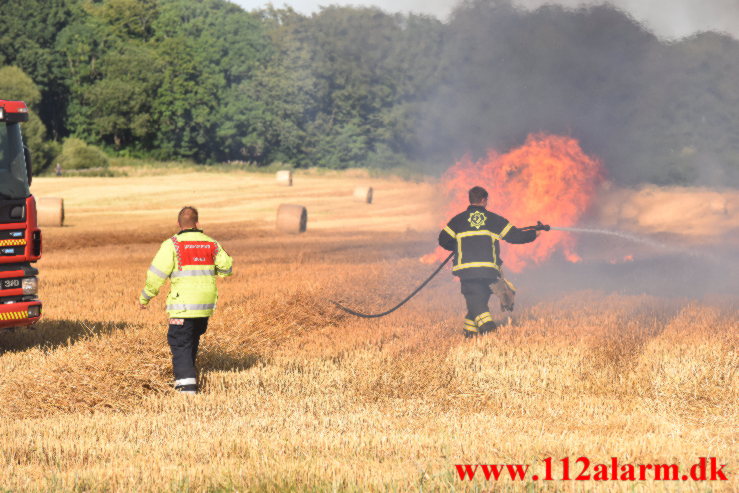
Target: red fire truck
[{"x": 20, "y": 238}]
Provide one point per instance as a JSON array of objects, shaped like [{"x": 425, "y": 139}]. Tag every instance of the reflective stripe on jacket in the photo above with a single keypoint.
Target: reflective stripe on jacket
[
  {"x": 474, "y": 236},
  {"x": 191, "y": 260}
]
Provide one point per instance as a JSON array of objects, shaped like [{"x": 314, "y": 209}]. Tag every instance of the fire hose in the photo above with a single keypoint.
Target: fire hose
[
  {"x": 388, "y": 312},
  {"x": 539, "y": 227}
]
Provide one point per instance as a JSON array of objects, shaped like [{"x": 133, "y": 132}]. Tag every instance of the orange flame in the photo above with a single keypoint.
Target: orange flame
[
  {"x": 627, "y": 258},
  {"x": 549, "y": 178}
]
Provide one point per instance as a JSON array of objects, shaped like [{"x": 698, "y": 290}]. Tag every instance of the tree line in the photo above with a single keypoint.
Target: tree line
[{"x": 350, "y": 86}]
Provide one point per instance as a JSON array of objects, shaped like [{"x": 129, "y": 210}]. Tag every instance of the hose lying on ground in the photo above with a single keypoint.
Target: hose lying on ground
[
  {"x": 388, "y": 312},
  {"x": 539, "y": 227}
]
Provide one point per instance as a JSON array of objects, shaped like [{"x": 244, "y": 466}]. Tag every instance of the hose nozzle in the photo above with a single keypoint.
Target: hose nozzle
[{"x": 539, "y": 227}]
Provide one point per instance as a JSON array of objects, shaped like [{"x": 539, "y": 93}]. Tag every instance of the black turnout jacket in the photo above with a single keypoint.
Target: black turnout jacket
[{"x": 474, "y": 237}]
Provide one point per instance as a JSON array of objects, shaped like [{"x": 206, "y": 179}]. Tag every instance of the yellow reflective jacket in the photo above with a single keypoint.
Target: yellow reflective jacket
[
  {"x": 191, "y": 260},
  {"x": 474, "y": 237}
]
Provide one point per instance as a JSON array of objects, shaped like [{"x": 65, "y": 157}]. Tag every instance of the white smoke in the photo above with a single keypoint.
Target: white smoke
[
  {"x": 436, "y": 8},
  {"x": 668, "y": 19}
]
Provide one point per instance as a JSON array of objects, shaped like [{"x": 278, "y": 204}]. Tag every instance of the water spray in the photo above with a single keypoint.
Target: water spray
[
  {"x": 538, "y": 227},
  {"x": 640, "y": 239},
  {"x": 619, "y": 234}
]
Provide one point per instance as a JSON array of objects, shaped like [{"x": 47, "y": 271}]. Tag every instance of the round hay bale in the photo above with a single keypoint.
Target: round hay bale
[
  {"x": 363, "y": 194},
  {"x": 50, "y": 211},
  {"x": 285, "y": 177},
  {"x": 292, "y": 218}
]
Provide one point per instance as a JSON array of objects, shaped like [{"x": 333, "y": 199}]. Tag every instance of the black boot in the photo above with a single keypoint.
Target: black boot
[{"x": 488, "y": 327}]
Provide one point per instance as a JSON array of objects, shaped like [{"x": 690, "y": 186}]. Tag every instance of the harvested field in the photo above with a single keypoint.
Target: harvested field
[{"x": 299, "y": 396}]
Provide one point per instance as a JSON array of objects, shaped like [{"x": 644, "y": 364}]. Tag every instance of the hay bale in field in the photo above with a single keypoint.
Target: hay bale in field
[
  {"x": 50, "y": 211},
  {"x": 292, "y": 218},
  {"x": 285, "y": 177},
  {"x": 363, "y": 194}
]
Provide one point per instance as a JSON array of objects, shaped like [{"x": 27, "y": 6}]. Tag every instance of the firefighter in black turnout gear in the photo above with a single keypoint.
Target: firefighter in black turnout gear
[{"x": 474, "y": 237}]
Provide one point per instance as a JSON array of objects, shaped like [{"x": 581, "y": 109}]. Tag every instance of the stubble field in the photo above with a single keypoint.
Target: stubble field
[{"x": 298, "y": 396}]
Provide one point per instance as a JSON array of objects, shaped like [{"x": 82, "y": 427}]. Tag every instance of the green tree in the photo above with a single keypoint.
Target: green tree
[
  {"x": 77, "y": 154},
  {"x": 689, "y": 108},
  {"x": 263, "y": 118},
  {"x": 372, "y": 72},
  {"x": 121, "y": 101},
  {"x": 126, "y": 19},
  {"x": 84, "y": 44},
  {"x": 206, "y": 48},
  {"x": 28, "y": 39}
]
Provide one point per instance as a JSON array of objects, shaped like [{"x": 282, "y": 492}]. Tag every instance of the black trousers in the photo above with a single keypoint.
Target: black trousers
[
  {"x": 477, "y": 295},
  {"x": 184, "y": 338}
]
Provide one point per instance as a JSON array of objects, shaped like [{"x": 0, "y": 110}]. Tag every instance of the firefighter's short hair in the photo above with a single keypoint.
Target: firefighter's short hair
[
  {"x": 477, "y": 195},
  {"x": 188, "y": 217}
]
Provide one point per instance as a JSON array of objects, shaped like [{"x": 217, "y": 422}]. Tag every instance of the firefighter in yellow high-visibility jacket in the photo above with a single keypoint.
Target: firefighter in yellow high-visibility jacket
[{"x": 191, "y": 260}]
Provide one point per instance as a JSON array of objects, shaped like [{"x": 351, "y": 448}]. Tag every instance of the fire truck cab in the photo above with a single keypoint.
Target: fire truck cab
[{"x": 20, "y": 237}]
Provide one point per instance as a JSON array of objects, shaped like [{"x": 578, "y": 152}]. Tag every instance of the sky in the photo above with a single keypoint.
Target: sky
[{"x": 669, "y": 19}]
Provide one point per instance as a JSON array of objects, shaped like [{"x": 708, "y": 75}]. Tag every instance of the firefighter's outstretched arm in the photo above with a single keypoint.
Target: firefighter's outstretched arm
[
  {"x": 224, "y": 263},
  {"x": 159, "y": 270},
  {"x": 518, "y": 236},
  {"x": 448, "y": 239}
]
